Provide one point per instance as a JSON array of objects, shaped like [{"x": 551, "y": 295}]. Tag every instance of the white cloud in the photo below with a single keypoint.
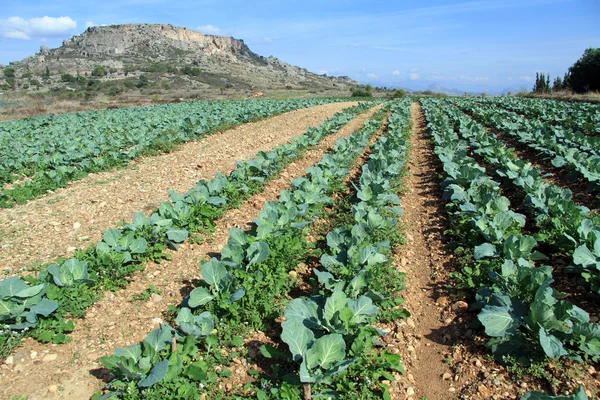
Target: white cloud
[
  {"x": 372, "y": 75},
  {"x": 510, "y": 78},
  {"x": 413, "y": 76},
  {"x": 89, "y": 24},
  {"x": 210, "y": 30},
  {"x": 20, "y": 28},
  {"x": 396, "y": 72},
  {"x": 267, "y": 40}
]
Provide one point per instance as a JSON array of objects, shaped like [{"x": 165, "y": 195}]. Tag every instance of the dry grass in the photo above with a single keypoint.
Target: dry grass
[{"x": 567, "y": 95}]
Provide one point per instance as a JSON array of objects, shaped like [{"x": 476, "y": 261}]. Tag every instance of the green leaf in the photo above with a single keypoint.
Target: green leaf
[
  {"x": 29, "y": 291},
  {"x": 297, "y": 336},
  {"x": 303, "y": 310},
  {"x": 44, "y": 307},
  {"x": 11, "y": 286},
  {"x": 134, "y": 352},
  {"x": 138, "y": 245},
  {"x": 484, "y": 250},
  {"x": 214, "y": 273},
  {"x": 199, "y": 297},
  {"x": 497, "y": 320},
  {"x": 177, "y": 235},
  {"x": 112, "y": 236},
  {"x": 160, "y": 338},
  {"x": 238, "y": 294},
  {"x": 237, "y": 237},
  {"x": 156, "y": 374},
  {"x": 257, "y": 253},
  {"x": 361, "y": 308},
  {"x": 102, "y": 248},
  {"x": 197, "y": 371},
  {"x": 334, "y": 304},
  {"x": 551, "y": 345},
  {"x": 326, "y": 351},
  {"x": 584, "y": 257}
]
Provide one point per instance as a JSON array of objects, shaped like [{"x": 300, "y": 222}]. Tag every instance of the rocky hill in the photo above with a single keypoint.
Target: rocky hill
[{"x": 168, "y": 57}]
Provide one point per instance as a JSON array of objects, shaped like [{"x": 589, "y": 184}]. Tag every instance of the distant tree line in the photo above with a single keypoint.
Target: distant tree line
[{"x": 583, "y": 76}]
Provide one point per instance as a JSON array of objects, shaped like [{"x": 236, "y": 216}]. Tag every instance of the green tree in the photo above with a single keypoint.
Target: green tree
[
  {"x": 585, "y": 73},
  {"x": 557, "y": 84},
  {"x": 67, "y": 78},
  {"x": 142, "y": 82},
  {"x": 98, "y": 71},
  {"x": 542, "y": 83},
  {"x": 9, "y": 72}
]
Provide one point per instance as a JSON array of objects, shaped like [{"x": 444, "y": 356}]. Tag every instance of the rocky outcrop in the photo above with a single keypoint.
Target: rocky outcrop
[{"x": 227, "y": 60}]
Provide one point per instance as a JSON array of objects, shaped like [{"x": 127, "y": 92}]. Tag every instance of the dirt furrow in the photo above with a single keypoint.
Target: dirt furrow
[
  {"x": 71, "y": 371},
  {"x": 425, "y": 337},
  {"x": 76, "y": 216}
]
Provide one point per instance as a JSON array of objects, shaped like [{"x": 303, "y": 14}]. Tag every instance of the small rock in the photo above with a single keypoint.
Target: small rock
[
  {"x": 10, "y": 360},
  {"x": 22, "y": 355},
  {"x": 403, "y": 262},
  {"x": 483, "y": 390},
  {"x": 448, "y": 321},
  {"x": 293, "y": 274},
  {"x": 524, "y": 385},
  {"x": 410, "y": 378},
  {"x": 53, "y": 388},
  {"x": 157, "y": 321},
  {"x": 478, "y": 363},
  {"x": 71, "y": 249},
  {"x": 156, "y": 298},
  {"x": 149, "y": 304},
  {"x": 410, "y": 391},
  {"x": 33, "y": 354},
  {"x": 452, "y": 390},
  {"x": 386, "y": 330},
  {"x": 76, "y": 225},
  {"x": 442, "y": 301},
  {"x": 447, "y": 376},
  {"x": 460, "y": 307},
  {"x": 410, "y": 322},
  {"x": 49, "y": 357},
  {"x": 83, "y": 238}
]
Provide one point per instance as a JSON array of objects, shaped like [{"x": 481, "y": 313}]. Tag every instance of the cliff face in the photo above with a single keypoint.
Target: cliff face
[
  {"x": 120, "y": 39},
  {"x": 129, "y": 50}
]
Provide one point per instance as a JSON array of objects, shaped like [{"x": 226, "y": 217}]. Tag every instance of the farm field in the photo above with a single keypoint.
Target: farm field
[{"x": 415, "y": 248}]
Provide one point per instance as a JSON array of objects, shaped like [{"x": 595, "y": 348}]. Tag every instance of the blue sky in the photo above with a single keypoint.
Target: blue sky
[{"x": 469, "y": 45}]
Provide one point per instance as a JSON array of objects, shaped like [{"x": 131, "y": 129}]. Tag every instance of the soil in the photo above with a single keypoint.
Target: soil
[
  {"x": 76, "y": 216},
  {"x": 422, "y": 338},
  {"x": 72, "y": 371}
]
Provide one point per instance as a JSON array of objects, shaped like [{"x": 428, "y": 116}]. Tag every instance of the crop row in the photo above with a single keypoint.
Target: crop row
[
  {"x": 584, "y": 159},
  {"x": 518, "y": 308},
  {"x": 581, "y": 118},
  {"x": 51, "y": 151},
  {"x": 245, "y": 287},
  {"x": 563, "y": 226},
  {"x": 68, "y": 287},
  {"x": 550, "y": 123}
]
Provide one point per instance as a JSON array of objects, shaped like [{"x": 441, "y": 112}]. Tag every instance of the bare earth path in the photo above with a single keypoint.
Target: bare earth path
[
  {"x": 423, "y": 260},
  {"x": 76, "y": 216},
  {"x": 65, "y": 371}
]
